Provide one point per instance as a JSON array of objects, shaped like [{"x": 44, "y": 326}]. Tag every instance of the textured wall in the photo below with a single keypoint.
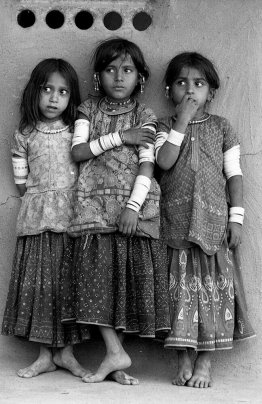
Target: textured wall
[{"x": 227, "y": 31}]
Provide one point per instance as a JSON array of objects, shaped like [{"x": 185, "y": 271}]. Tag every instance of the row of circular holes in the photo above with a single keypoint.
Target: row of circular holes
[{"x": 84, "y": 20}]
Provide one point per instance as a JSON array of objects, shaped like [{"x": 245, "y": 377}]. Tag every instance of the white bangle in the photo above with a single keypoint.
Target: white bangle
[
  {"x": 232, "y": 162},
  {"x": 81, "y": 132},
  {"x": 105, "y": 142},
  {"x": 175, "y": 137},
  {"x": 236, "y": 214},
  {"x": 20, "y": 168},
  {"x": 139, "y": 193},
  {"x": 146, "y": 154}
]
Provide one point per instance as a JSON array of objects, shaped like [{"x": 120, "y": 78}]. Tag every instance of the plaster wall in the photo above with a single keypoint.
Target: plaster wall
[{"x": 227, "y": 31}]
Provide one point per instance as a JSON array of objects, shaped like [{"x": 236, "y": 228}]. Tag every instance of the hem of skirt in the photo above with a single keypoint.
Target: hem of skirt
[
  {"x": 244, "y": 338},
  {"x": 123, "y": 329},
  {"x": 182, "y": 347},
  {"x": 45, "y": 342}
]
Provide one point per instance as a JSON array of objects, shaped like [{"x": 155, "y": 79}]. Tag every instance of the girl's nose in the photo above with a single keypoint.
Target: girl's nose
[
  {"x": 54, "y": 96},
  {"x": 190, "y": 89},
  {"x": 118, "y": 76}
]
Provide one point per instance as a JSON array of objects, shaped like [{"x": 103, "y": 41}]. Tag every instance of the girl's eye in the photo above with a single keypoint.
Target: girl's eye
[
  {"x": 199, "y": 83},
  {"x": 109, "y": 70},
  {"x": 46, "y": 89},
  {"x": 64, "y": 92},
  {"x": 181, "y": 83},
  {"x": 128, "y": 70}
]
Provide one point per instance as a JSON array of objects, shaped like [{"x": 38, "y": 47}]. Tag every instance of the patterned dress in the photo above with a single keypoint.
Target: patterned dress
[
  {"x": 208, "y": 307},
  {"x": 33, "y": 308},
  {"x": 117, "y": 281}
]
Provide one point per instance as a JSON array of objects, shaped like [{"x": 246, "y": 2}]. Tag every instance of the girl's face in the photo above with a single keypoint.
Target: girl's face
[
  {"x": 119, "y": 78},
  {"x": 54, "y": 98},
  {"x": 192, "y": 83}
]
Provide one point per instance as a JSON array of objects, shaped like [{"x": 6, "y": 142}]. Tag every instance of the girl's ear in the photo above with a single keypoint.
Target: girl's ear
[{"x": 211, "y": 95}]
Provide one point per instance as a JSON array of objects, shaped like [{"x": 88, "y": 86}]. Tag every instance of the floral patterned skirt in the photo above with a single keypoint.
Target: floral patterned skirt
[
  {"x": 33, "y": 307},
  {"x": 208, "y": 307},
  {"x": 117, "y": 281}
]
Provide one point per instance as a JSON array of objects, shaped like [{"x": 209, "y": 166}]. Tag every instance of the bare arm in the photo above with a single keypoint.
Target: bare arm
[
  {"x": 234, "y": 230},
  {"x": 21, "y": 188}
]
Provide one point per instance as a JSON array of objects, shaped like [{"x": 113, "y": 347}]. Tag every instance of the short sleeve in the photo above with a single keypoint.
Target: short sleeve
[
  {"x": 86, "y": 108},
  {"x": 164, "y": 125},
  {"x": 230, "y": 137},
  {"x": 19, "y": 144},
  {"x": 145, "y": 115}
]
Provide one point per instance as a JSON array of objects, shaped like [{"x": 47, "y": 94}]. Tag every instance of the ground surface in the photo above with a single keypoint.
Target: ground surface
[{"x": 153, "y": 366}]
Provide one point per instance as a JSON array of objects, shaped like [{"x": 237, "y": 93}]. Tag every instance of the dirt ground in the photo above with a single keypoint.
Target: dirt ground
[{"x": 151, "y": 364}]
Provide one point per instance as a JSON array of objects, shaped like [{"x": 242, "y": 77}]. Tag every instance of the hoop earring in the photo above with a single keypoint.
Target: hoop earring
[
  {"x": 96, "y": 80},
  {"x": 142, "y": 83},
  {"x": 167, "y": 91}
]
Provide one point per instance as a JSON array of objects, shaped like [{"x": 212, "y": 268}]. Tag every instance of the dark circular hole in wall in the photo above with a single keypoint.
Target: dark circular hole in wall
[
  {"x": 142, "y": 21},
  {"x": 84, "y": 20},
  {"x": 26, "y": 18},
  {"x": 55, "y": 19},
  {"x": 112, "y": 21}
]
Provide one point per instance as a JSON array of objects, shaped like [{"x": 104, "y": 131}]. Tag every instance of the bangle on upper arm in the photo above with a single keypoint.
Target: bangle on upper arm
[
  {"x": 175, "y": 137},
  {"x": 81, "y": 132},
  {"x": 20, "y": 169}
]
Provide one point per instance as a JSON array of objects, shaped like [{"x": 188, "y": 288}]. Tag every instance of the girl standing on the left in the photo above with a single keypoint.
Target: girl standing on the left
[{"x": 45, "y": 176}]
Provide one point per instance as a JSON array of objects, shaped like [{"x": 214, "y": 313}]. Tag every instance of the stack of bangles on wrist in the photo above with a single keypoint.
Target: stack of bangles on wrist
[
  {"x": 139, "y": 193},
  {"x": 236, "y": 215}
]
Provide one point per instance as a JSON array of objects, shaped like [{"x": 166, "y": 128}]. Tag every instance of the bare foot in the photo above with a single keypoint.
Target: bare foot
[
  {"x": 121, "y": 377},
  {"x": 43, "y": 364},
  {"x": 64, "y": 358},
  {"x": 184, "y": 372},
  {"x": 202, "y": 372},
  {"x": 111, "y": 363}
]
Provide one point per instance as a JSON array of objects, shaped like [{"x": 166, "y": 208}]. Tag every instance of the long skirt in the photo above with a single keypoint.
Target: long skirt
[
  {"x": 33, "y": 307},
  {"x": 119, "y": 282},
  {"x": 207, "y": 300}
]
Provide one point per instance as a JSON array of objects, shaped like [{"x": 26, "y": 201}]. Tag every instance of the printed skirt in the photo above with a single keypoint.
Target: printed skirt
[
  {"x": 33, "y": 307},
  {"x": 117, "y": 281},
  {"x": 207, "y": 300}
]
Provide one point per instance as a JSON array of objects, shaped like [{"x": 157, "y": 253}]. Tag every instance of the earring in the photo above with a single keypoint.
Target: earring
[
  {"x": 167, "y": 91},
  {"x": 96, "y": 81},
  {"x": 142, "y": 83}
]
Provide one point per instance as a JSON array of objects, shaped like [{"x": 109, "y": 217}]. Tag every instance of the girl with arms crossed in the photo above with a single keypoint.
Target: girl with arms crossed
[{"x": 120, "y": 273}]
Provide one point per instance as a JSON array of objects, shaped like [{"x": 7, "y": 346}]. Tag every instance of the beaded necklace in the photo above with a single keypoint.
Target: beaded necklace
[{"x": 116, "y": 108}]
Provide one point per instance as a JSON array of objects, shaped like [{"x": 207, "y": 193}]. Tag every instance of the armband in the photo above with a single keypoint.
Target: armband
[
  {"x": 149, "y": 125},
  {"x": 236, "y": 215},
  {"x": 105, "y": 142},
  {"x": 175, "y": 137},
  {"x": 139, "y": 193},
  {"x": 232, "y": 162},
  {"x": 81, "y": 132},
  {"x": 20, "y": 169}
]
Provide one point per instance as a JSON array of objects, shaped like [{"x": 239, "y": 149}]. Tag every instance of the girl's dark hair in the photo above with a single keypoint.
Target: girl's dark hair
[
  {"x": 111, "y": 49},
  {"x": 29, "y": 107},
  {"x": 195, "y": 60}
]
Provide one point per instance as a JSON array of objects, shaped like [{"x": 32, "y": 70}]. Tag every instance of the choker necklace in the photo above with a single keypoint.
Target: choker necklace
[
  {"x": 116, "y": 108},
  {"x": 203, "y": 118},
  {"x": 120, "y": 103}
]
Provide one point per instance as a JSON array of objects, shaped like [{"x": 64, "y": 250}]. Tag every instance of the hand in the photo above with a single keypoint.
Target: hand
[
  {"x": 187, "y": 109},
  {"x": 139, "y": 136},
  {"x": 128, "y": 222},
  {"x": 234, "y": 234}
]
